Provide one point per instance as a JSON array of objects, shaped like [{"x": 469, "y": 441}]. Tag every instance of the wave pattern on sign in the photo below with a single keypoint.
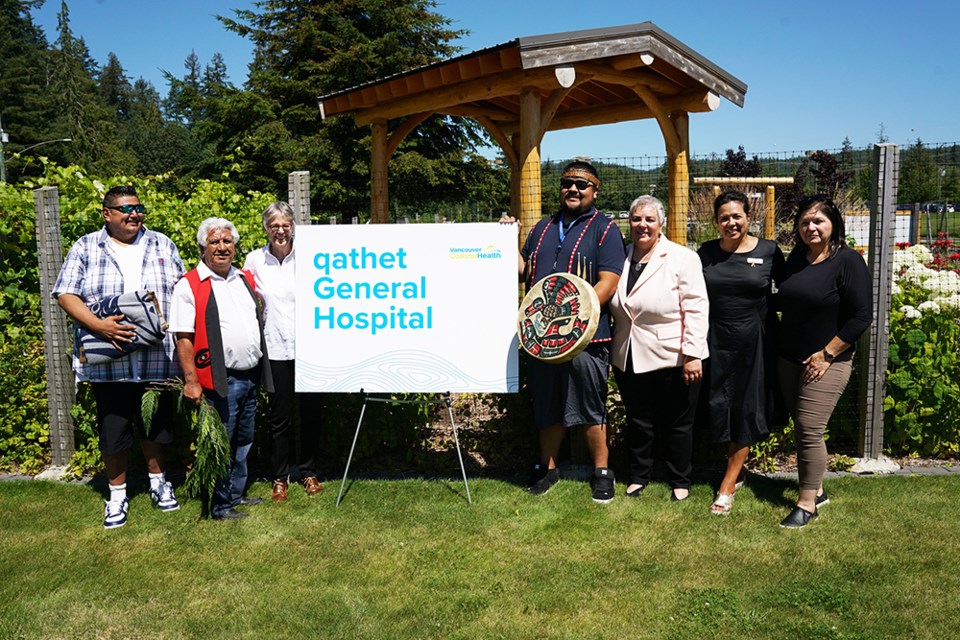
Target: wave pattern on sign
[{"x": 398, "y": 371}]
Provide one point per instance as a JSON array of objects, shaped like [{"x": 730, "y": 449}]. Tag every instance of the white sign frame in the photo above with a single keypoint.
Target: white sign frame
[{"x": 412, "y": 308}]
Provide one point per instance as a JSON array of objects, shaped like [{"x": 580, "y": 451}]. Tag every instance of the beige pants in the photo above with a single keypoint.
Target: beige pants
[{"x": 811, "y": 405}]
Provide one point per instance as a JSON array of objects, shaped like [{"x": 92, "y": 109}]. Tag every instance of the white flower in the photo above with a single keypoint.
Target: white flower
[
  {"x": 953, "y": 300},
  {"x": 943, "y": 283},
  {"x": 928, "y": 306},
  {"x": 903, "y": 259},
  {"x": 922, "y": 254},
  {"x": 909, "y": 312},
  {"x": 917, "y": 274},
  {"x": 895, "y": 289}
]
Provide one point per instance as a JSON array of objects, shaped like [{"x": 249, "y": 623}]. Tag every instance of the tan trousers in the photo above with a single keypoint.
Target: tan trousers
[{"x": 811, "y": 405}]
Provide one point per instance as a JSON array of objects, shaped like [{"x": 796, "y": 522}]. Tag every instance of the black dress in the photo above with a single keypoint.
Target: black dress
[{"x": 741, "y": 383}]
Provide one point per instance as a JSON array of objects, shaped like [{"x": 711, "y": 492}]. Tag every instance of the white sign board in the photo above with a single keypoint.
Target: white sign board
[{"x": 407, "y": 308}]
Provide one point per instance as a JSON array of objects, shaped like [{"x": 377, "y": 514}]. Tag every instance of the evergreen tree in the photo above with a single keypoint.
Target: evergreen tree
[
  {"x": 115, "y": 87},
  {"x": 26, "y": 106},
  {"x": 304, "y": 50},
  {"x": 83, "y": 112},
  {"x": 918, "y": 174}
]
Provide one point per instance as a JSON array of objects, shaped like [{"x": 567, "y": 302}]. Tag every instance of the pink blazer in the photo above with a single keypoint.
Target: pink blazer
[{"x": 665, "y": 316}]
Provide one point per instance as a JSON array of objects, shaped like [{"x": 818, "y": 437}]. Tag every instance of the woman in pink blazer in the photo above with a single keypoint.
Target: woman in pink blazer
[{"x": 660, "y": 337}]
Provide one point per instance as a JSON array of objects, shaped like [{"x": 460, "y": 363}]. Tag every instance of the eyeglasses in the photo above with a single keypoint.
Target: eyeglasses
[
  {"x": 566, "y": 183},
  {"x": 280, "y": 227},
  {"x": 128, "y": 208}
]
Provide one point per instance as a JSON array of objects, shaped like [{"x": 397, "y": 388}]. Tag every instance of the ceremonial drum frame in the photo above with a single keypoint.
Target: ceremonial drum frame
[{"x": 366, "y": 398}]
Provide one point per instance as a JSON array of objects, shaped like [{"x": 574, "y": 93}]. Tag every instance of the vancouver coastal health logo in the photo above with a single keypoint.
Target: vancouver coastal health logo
[{"x": 490, "y": 252}]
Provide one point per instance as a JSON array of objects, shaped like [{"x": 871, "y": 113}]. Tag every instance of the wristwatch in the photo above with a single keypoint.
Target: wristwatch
[{"x": 829, "y": 357}]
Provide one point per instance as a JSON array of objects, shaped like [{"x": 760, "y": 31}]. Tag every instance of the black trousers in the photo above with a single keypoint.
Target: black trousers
[
  {"x": 660, "y": 412},
  {"x": 284, "y": 428}
]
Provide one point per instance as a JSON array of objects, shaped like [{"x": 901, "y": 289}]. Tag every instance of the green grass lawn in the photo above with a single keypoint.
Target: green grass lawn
[{"x": 410, "y": 559}]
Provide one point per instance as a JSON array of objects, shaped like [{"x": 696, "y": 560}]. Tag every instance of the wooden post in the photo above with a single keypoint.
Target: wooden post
[
  {"x": 874, "y": 344},
  {"x": 298, "y": 195},
  {"x": 679, "y": 177},
  {"x": 57, "y": 345},
  {"x": 769, "y": 232},
  {"x": 379, "y": 205},
  {"x": 530, "y": 205}
]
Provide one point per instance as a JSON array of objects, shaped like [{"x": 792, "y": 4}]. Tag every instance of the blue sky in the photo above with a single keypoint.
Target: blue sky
[{"x": 817, "y": 71}]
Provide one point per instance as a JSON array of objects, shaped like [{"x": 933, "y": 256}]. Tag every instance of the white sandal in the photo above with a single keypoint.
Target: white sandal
[{"x": 723, "y": 505}]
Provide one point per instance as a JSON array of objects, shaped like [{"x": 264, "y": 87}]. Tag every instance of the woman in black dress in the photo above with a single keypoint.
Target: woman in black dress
[{"x": 740, "y": 271}]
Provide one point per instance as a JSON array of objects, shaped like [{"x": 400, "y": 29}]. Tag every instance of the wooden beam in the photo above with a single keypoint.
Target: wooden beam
[
  {"x": 769, "y": 221},
  {"x": 403, "y": 131},
  {"x": 475, "y": 111},
  {"x": 670, "y": 138},
  {"x": 549, "y": 110},
  {"x": 620, "y": 112},
  {"x": 631, "y": 61},
  {"x": 379, "y": 205},
  {"x": 501, "y": 138},
  {"x": 509, "y": 83},
  {"x": 603, "y": 73},
  {"x": 735, "y": 180}
]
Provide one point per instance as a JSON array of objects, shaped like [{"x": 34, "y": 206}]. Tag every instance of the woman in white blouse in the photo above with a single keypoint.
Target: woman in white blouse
[{"x": 272, "y": 267}]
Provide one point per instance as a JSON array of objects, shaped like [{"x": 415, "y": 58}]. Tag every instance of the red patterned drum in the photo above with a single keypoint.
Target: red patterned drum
[{"x": 558, "y": 317}]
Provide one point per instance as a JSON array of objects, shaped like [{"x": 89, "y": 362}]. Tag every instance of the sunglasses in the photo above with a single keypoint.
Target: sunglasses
[
  {"x": 566, "y": 183},
  {"x": 128, "y": 208}
]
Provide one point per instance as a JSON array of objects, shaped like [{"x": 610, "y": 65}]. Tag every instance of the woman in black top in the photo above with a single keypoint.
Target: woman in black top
[
  {"x": 740, "y": 271},
  {"x": 825, "y": 297}
]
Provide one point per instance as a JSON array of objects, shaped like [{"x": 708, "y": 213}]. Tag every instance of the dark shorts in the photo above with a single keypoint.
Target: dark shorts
[
  {"x": 571, "y": 393},
  {"x": 118, "y": 410}
]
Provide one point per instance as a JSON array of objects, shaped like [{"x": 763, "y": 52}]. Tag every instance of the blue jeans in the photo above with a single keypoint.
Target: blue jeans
[{"x": 238, "y": 412}]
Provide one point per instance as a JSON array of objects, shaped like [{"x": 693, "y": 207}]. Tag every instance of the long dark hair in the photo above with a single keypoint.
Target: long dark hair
[{"x": 822, "y": 203}]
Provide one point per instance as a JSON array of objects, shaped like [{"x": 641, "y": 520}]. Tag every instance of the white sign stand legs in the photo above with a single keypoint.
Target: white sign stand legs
[{"x": 456, "y": 439}]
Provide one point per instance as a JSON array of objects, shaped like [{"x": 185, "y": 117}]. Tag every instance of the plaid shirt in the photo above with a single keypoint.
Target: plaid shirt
[{"x": 91, "y": 271}]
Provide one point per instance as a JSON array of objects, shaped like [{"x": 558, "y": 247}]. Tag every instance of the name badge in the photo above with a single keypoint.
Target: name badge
[{"x": 754, "y": 261}]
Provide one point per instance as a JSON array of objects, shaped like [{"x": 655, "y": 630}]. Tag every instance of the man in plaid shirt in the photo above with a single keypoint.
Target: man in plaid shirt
[{"x": 124, "y": 256}]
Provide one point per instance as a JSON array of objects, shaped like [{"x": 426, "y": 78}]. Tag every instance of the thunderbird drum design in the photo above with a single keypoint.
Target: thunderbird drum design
[{"x": 558, "y": 317}]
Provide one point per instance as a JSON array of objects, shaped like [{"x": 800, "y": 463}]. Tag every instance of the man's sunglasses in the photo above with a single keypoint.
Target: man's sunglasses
[
  {"x": 566, "y": 183},
  {"x": 128, "y": 208}
]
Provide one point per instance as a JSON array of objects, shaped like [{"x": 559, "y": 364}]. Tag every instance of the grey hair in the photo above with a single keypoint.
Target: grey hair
[
  {"x": 644, "y": 202},
  {"x": 278, "y": 209},
  {"x": 215, "y": 224}
]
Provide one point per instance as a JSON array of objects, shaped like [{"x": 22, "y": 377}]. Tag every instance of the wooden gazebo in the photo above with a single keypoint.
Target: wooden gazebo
[{"x": 521, "y": 89}]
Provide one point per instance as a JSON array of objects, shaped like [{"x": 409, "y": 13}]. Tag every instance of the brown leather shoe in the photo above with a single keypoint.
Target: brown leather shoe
[
  {"x": 312, "y": 486},
  {"x": 279, "y": 491}
]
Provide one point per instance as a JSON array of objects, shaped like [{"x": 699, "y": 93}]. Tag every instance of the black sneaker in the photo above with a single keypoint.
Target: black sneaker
[
  {"x": 545, "y": 483},
  {"x": 602, "y": 485},
  {"x": 798, "y": 519}
]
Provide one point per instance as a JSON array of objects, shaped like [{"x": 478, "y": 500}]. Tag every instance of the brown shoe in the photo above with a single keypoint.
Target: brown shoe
[
  {"x": 312, "y": 486},
  {"x": 279, "y": 491}
]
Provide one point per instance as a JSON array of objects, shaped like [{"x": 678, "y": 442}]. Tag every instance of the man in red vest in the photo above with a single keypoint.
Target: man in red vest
[{"x": 218, "y": 320}]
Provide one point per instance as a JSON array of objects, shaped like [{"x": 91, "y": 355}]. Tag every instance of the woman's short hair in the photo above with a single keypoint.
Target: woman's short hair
[
  {"x": 278, "y": 209},
  {"x": 649, "y": 201},
  {"x": 822, "y": 203},
  {"x": 216, "y": 224},
  {"x": 731, "y": 196}
]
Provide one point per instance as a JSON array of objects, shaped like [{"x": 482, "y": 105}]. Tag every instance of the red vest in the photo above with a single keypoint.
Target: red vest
[{"x": 207, "y": 341}]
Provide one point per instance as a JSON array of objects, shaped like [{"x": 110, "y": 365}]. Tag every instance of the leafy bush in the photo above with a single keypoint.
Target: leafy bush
[
  {"x": 24, "y": 431},
  {"x": 922, "y": 404}
]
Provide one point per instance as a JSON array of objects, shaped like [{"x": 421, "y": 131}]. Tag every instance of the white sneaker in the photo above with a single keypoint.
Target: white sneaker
[
  {"x": 163, "y": 497},
  {"x": 115, "y": 514}
]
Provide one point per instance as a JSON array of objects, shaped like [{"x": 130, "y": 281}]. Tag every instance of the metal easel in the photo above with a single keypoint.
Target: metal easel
[{"x": 456, "y": 440}]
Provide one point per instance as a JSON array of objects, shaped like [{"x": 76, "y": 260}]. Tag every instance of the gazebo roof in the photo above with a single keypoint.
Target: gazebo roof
[{"x": 599, "y": 66}]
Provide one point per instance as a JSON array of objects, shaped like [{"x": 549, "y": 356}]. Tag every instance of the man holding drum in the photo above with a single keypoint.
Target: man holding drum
[{"x": 569, "y": 393}]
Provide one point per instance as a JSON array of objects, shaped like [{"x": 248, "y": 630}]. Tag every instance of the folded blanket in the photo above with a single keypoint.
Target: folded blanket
[{"x": 138, "y": 308}]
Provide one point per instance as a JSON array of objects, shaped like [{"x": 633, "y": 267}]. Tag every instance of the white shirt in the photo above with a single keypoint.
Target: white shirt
[
  {"x": 276, "y": 283},
  {"x": 238, "y": 316},
  {"x": 129, "y": 258}
]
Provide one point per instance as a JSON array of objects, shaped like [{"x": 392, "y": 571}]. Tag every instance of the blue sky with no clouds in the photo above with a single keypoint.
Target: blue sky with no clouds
[{"x": 817, "y": 71}]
